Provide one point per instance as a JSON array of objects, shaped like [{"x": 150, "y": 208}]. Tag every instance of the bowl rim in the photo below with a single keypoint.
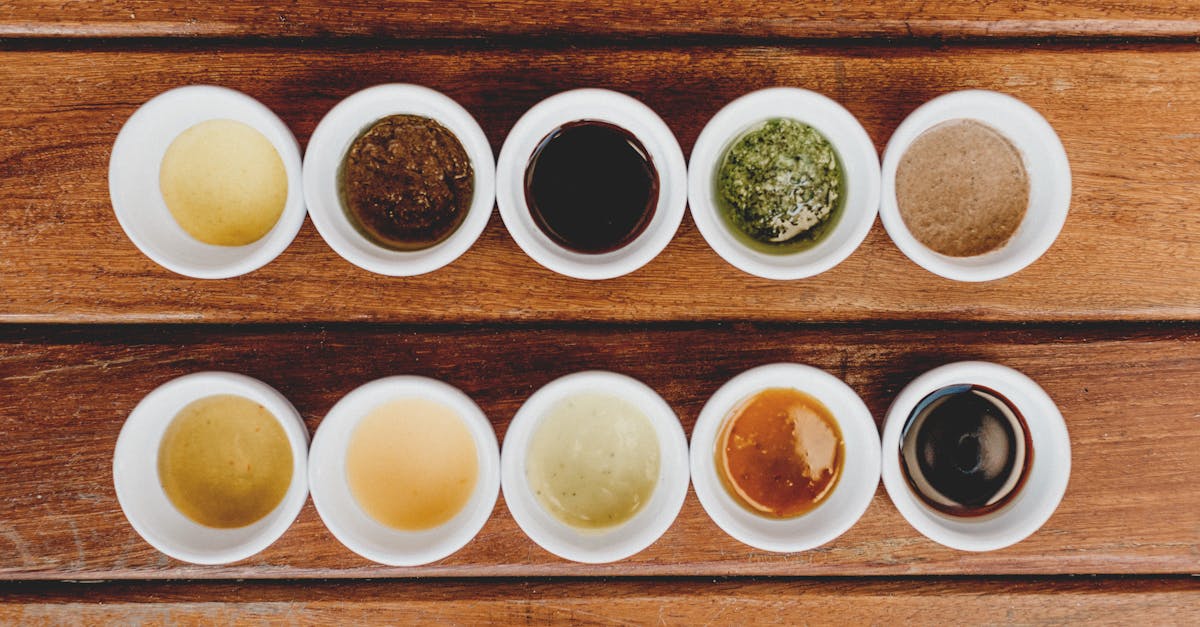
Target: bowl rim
[
  {"x": 613, "y": 543},
  {"x": 325, "y": 456},
  {"x": 327, "y": 147},
  {"x": 1051, "y": 459},
  {"x": 790, "y": 535},
  {"x": 178, "y": 393},
  {"x": 854, "y": 148},
  {"x": 180, "y": 102},
  {"x": 601, "y": 105},
  {"x": 959, "y": 105}
]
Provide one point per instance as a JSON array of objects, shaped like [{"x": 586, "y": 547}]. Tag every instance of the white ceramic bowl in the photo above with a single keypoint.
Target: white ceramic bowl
[
  {"x": 604, "y": 106},
  {"x": 596, "y": 545},
  {"x": 356, "y": 529},
  {"x": 140, "y": 493},
  {"x": 1045, "y": 161},
  {"x": 856, "y": 153},
  {"x": 133, "y": 171},
  {"x": 839, "y": 511},
  {"x": 332, "y": 138},
  {"x": 1044, "y": 486}
]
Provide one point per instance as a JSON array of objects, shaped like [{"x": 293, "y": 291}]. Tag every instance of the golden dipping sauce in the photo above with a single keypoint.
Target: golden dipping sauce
[
  {"x": 412, "y": 464},
  {"x": 780, "y": 453},
  {"x": 225, "y": 461},
  {"x": 593, "y": 461},
  {"x": 224, "y": 183}
]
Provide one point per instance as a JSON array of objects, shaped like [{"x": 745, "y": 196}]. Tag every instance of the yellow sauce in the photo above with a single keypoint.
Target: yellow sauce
[
  {"x": 225, "y": 461},
  {"x": 224, "y": 183},
  {"x": 593, "y": 461},
  {"x": 412, "y": 464}
]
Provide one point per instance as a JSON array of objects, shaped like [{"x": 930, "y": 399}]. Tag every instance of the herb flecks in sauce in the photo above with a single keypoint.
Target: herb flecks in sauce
[
  {"x": 780, "y": 181},
  {"x": 407, "y": 182},
  {"x": 593, "y": 461}
]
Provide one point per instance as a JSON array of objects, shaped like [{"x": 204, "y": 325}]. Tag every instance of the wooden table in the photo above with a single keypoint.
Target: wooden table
[{"x": 1107, "y": 321}]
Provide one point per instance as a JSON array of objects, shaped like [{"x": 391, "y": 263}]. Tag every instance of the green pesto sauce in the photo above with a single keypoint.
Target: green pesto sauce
[{"x": 780, "y": 187}]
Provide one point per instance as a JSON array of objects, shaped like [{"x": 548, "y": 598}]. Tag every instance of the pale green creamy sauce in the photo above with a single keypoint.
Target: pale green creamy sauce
[
  {"x": 593, "y": 461},
  {"x": 780, "y": 186}
]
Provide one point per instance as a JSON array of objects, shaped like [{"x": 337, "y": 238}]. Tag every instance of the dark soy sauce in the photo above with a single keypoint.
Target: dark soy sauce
[
  {"x": 965, "y": 450},
  {"x": 591, "y": 186}
]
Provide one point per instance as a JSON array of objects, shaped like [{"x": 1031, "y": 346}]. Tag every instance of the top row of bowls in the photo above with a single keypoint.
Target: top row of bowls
[{"x": 793, "y": 147}]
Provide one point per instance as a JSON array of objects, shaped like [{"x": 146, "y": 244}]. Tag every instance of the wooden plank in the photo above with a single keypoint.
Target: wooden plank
[
  {"x": 1125, "y": 114},
  {"x": 559, "y": 18},
  {"x": 1129, "y": 398},
  {"x": 692, "y": 602}
]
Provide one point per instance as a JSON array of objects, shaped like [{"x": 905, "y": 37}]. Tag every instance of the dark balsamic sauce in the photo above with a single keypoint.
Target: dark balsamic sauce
[
  {"x": 591, "y": 187},
  {"x": 965, "y": 450}
]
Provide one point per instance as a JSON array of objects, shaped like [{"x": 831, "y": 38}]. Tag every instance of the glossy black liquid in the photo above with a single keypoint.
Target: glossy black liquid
[
  {"x": 965, "y": 450},
  {"x": 591, "y": 187}
]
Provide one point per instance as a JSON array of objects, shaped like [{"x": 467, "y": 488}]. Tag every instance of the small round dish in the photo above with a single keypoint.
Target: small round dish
[
  {"x": 595, "y": 546},
  {"x": 327, "y": 148},
  {"x": 856, "y": 153},
  {"x": 146, "y": 505},
  {"x": 347, "y": 520},
  {"x": 603, "y": 106},
  {"x": 1044, "y": 486},
  {"x": 1045, "y": 162},
  {"x": 133, "y": 181},
  {"x": 833, "y": 516}
]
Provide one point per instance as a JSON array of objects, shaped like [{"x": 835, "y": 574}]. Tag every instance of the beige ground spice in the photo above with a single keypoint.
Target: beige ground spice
[{"x": 962, "y": 188}]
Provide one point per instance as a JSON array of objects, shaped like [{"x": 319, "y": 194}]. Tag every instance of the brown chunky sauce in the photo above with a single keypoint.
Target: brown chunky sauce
[{"x": 407, "y": 183}]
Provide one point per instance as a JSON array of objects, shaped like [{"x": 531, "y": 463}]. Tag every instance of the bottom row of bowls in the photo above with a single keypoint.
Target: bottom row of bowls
[{"x": 213, "y": 467}]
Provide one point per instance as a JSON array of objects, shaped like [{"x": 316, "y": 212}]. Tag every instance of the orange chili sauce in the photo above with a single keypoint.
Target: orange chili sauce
[{"x": 780, "y": 453}]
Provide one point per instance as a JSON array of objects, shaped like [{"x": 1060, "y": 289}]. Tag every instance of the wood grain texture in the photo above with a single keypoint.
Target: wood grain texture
[
  {"x": 613, "y": 602},
  {"x": 1129, "y": 398},
  {"x": 565, "y": 18},
  {"x": 1130, "y": 249}
]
